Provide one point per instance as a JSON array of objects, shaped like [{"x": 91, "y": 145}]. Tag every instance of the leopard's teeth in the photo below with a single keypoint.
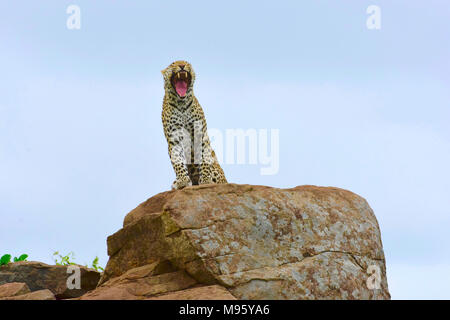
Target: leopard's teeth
[{"x": 178, "y": 75}]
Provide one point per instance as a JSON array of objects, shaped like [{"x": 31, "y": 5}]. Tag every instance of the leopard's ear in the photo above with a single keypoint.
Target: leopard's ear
[{"x": 164, "y": 73}]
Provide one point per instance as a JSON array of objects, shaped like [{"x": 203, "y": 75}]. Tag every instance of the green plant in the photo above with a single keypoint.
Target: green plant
[
  {"x": 96, "y": 266},
  {"x": 68, "y": 259},
  {"x": 61, "y": 260},
  {"x": 5, "y": 259},
  {"x": 23, "y": 257}
]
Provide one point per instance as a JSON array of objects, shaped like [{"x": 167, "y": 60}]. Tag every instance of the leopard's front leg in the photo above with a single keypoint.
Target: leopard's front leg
[
  {"x": 207, "y": 161},
  {"x": 176, "y": 138},
  {"x": 178, "y": 160}
]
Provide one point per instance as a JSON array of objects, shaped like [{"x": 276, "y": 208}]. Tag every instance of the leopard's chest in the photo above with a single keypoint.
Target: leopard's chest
[{"x": 185, "y": 117}]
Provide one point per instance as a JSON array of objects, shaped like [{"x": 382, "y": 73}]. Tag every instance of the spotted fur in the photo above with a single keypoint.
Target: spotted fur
[{"x": 190, "y": 152}]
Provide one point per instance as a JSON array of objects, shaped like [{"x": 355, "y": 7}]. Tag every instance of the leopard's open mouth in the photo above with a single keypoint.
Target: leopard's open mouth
[{"x": 180, "y": 82}]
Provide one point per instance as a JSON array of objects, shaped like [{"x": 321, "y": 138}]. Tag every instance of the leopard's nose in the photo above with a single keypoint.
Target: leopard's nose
[{"x": 182, "y": 66}]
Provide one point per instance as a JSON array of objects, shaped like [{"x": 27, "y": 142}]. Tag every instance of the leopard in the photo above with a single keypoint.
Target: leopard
[{"x": 193, "y": 159}]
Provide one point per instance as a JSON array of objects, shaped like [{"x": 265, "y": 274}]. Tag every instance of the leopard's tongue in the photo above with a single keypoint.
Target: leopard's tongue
[{"x": 181, "y": 87}]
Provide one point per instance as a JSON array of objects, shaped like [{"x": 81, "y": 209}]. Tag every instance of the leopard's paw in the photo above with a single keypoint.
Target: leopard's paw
[
  {"x": 205, "y": 180},
  {"x": 181, "y": 183}
]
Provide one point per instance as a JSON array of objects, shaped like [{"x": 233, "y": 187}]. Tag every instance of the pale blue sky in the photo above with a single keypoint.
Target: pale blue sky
[{"x": 81, "y": 140}]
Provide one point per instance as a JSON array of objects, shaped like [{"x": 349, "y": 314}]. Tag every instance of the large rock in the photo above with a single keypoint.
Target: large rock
[
  {"x": 13, "y": 289},
  {"x": 41, "y": 276},
  {"x": 158, "y": 280},
  {"x": 142, "y": 282},
  {"x": 44, "y": 294},
  {"x": 213, "y": 292},
  {"x": 257, "y": 242}
]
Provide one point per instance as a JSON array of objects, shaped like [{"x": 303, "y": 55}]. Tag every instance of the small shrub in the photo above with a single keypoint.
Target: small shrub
[
  {"x": 5, "y": 259},
  {"x": 68, "y": 259},
  {"x": 23, "y": 257},
  {"x": 96, "y": 266},
  {"x": 61, "y": 260}
]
